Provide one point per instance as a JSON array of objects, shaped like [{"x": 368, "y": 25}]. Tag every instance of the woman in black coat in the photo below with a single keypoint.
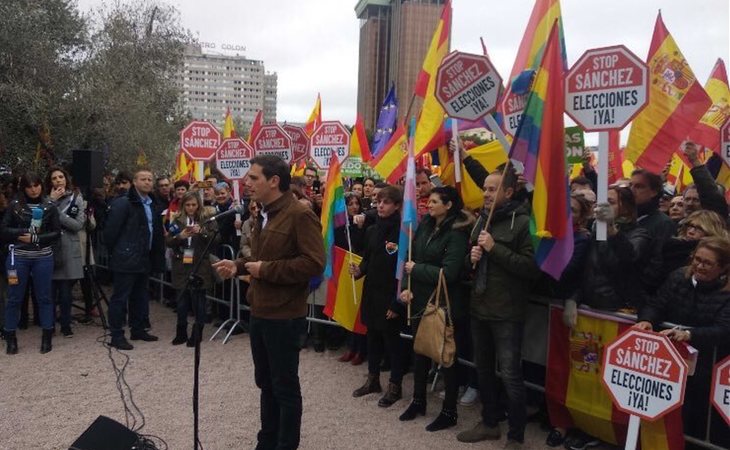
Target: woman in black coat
[
  {"x": 380, "y": 310},
  {"x": 698, "y": 298}
]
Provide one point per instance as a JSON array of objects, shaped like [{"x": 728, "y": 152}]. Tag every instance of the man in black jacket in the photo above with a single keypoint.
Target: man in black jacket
[{"x": 134, "y": 235}]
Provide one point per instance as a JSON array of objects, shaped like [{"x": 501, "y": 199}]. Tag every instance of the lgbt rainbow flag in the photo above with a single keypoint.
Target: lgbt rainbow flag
[
  {"x": 409, "y": 212},
  {"x": 334, "y": 211},
  {"x": 539, "y": 144}
]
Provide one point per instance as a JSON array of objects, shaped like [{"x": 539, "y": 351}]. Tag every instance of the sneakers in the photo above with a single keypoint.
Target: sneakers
[
  {"x": 470, "y": 397},
  {"x": 372, "y": 385},
  {"x": 479, "y": 433},
  {"x": 581, "y": 441},
  {"x": 121, "y": 344},
  {"x": 143, "y": 336}
]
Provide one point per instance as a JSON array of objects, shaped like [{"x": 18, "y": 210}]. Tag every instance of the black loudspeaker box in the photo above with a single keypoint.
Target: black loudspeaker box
[
  {"x": 105, "y": 434},
  {"x": 88, "y": 169}
]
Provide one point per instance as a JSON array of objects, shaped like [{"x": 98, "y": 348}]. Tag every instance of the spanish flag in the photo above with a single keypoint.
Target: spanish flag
[
  {"x": 615, "y": 157},
  {"x": 575, "y": 396},
  {"x": 359, "y": 147},
  {"x": 707, "y": 132},
  {"x": 429, "y": 129},
  {"x": 490, "y": 155},
  {"x": 391, "y": 161},
  {"x": 315, "y": 117},
  {"x": 676, "y": 104},
  {"x": 229, "y": 130},
  {"x": 343, "y": 299},
  {"x": 258, "y": 122}
]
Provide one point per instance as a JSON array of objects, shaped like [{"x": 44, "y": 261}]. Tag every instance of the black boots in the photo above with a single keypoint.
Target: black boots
[
  {"x": 12, "y": 343},
  {"x": 392, "y": 395},
  {"x": 445, "y": 419},
  {"x": 371, "y": 385},
  {"x": 46, "y": 341},
  {"x": 193, "y": 336},
  {"x": 181, "y": 335},
  {"x": 416, "y": 408}
]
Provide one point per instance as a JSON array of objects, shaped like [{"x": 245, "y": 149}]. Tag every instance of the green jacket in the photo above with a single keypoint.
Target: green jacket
[
  {"x": 510, "y": 266},
  {"x": 439, "y": 248}
]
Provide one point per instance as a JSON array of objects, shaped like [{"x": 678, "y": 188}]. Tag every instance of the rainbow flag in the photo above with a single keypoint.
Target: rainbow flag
[
  {"x": 529, "y": 55},
  {"x": 391, "y": 161},
  {"x": 229, "y": 130},
  {"x": 315, "y": 117},
  {"x": 574, "y": 394},
  {"x": 359, "y": 147},
  {"x": 676, "y": 104},
  {"x": 334, "y": 211},
  {"x": 539, "y": 144},
  {"x": 258, "y": 122},
  {"x": 409, "y": 212},
  {"x": 341, "y": 306},
  {"x": 429, "y": 130},
  {"x": 707, "y": 132}
]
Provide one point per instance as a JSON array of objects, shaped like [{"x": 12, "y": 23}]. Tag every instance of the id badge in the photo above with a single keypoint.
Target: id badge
[
  {"x": 12, "y": 277},
  {"x": 188, "y": 256}
]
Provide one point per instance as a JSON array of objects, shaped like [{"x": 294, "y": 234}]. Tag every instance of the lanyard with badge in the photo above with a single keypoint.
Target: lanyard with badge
[
  {"x": 12, "y": 272},
  {"x": 188, "y": 252}
]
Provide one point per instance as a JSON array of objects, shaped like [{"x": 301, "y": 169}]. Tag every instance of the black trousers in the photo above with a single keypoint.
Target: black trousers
[
  {"x": 421, "y": 366},
  {"x": 386, "y": 339},
  {"x": 275, "y": 346}
]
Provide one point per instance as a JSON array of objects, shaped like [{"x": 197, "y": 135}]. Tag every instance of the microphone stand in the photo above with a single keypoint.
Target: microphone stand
[{"x": 194, "y": 285}]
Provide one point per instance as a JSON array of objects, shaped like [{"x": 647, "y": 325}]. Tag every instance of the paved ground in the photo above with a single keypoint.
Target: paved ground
[{"x": 46, "y": 401}]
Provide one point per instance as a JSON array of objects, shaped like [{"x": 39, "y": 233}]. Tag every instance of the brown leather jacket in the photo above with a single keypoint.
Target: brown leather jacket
[{"x": 292, "y": 251}]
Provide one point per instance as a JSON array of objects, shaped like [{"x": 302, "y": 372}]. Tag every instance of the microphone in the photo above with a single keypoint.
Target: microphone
[{"x": 240, "y": 209}]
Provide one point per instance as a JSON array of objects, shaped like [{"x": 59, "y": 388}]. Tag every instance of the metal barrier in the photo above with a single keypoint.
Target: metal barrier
[{"x": 236, "y": 307}]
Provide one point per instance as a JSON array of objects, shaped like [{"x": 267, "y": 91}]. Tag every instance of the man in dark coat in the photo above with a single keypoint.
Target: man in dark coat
[{"x": 134, "y": 235}]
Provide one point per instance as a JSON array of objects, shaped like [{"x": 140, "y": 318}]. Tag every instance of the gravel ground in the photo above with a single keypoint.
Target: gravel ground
[{"x": 47, "y": 401}]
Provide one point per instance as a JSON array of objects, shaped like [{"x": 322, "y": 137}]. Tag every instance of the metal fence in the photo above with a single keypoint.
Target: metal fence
[{"x": 229, "y": 294}]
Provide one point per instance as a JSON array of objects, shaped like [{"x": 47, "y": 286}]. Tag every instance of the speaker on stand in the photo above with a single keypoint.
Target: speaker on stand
[{"x": 88, "y": 169}]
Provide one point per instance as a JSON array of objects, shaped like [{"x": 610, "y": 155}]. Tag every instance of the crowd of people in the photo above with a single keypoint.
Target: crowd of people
[{"x": 666, "y": 259}]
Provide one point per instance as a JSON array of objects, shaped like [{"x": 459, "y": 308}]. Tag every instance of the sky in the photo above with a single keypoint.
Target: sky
[{"x": 313, "y": 44}]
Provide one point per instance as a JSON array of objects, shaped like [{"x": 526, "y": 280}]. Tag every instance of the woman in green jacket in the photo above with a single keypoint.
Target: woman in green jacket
[{"x": 441, "y": 243}]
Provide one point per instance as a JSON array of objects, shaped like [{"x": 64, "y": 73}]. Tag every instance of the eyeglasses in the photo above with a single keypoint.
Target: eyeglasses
[
  {"x": 696, "y": 227},
  {"x": 697, "y": 261}
]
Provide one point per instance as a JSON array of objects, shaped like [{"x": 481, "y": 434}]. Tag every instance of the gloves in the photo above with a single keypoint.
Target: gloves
[
  {"x": 570, "y": 313},
  {"x": 604, "y": 213}
]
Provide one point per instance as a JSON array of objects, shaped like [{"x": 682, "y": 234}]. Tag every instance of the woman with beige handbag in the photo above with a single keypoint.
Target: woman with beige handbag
[{"x": 439, "y": 250}]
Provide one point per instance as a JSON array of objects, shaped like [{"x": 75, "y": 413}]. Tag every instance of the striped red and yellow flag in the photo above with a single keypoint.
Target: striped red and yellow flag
[
  {"x": 575, "y": 396},
  {"x": 359, "y": 147},
  {"x": 258, "y": 122},
  {"x": 490, "y": 155},
  {"x": 315, "y": 117},
  {"x": 707, "y": 132},
  {"x": 229, "y": 130},
  {"x": 677, "y": 102},
  {"x": 391, "y": 161},
  {"x": 343, "y": 300},
  {"x": 429, "y": 128}
]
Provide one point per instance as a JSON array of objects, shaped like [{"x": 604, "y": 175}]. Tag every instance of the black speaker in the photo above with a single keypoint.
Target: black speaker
[
  {"x": 88, "y": 169},
  {"x": 105, "y": 434}
]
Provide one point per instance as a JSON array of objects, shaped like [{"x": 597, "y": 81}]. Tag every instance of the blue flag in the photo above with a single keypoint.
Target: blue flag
[{"x": 385, "y": 126}]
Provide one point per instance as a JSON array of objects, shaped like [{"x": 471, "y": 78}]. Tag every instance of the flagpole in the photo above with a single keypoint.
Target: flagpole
[
  {"x": 349, "y": 254},
  {"x": 494, "y": 204},
  {"x": 410, "y": 258},
  {"x": 457, "y": 154}
]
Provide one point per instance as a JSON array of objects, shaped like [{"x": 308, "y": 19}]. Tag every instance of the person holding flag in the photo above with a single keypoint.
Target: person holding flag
[
  {"x": 440, "y": 243},
  {"x": 381, "y": 312}
]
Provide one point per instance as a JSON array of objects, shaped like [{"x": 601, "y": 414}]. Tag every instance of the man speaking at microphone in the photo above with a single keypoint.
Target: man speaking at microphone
[{"x": 286, "y": 251}]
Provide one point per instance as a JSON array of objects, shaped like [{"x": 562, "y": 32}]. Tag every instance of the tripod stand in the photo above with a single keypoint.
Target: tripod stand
[
  {"x": 194, "y": 287},
  {"x": 97, "y": 292}
]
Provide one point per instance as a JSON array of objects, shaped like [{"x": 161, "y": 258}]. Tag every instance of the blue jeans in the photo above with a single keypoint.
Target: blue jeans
[
  {"x": 129, "y": 289},
  {"x": 41, "y": 269},
  {"x": 275, "y": 346},
  {"x": 500, "y": 342}
]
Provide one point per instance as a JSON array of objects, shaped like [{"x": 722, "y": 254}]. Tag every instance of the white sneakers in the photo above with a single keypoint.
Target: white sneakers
[{"x": 468, "y": 396}]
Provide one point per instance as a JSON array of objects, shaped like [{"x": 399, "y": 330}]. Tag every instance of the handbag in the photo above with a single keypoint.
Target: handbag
[{"x": 435, "y": 335}]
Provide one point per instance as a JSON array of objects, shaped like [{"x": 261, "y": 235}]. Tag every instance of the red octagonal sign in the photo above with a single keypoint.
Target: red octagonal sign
[
  {"x": 644, "y": 374},
  {"x": 330, "y": 136},
  {"x": 467, "y": 85},
  {"x": 721, "y": 388},
  {"x": 233, "y": 158},
  {"x": 200, "y": 140},
  {"x": 606, "y": 88},
  {"x": 299, "y": 142},
  {"x": 273, "y": 140}
]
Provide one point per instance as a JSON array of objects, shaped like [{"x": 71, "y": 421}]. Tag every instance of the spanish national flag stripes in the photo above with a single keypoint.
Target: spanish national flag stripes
[
  {"x": 391, "y": 161},
  {"x": 575, "y": 395},
  {"x": 677, "y": 102},
  {"x": 315, "y": 117},
  {"x": 707, "y": 132},
  {"x": 343, "y": 305}
]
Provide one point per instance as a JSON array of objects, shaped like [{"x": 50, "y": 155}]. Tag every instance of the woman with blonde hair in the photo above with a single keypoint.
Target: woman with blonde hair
[
  {"x": 188, "y": 237},
  {"x": 698, "y": 225}
]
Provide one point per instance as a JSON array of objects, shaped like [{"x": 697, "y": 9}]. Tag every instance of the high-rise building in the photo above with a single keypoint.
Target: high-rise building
[
  {"x": 212, "y": 83},
  {"x": 394, "y": 39}
]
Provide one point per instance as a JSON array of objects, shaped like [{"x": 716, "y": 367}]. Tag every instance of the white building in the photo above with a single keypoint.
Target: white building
[{"x": 211, "y": 83}]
